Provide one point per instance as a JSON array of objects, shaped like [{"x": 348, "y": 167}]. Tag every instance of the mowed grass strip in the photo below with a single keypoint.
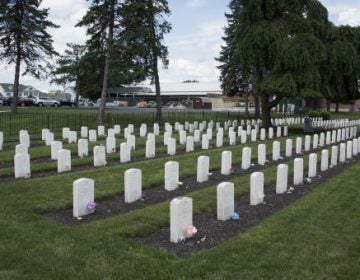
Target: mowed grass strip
[{"x": 316, "y": 238}]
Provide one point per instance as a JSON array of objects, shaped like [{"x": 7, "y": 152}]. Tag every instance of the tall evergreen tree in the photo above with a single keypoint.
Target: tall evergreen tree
[
  {"x": 24, "y": 39},
  {"x": 144, "y": 26},
  {"x": 279, "y": 44},
  {"x": 101, "y": 22}
]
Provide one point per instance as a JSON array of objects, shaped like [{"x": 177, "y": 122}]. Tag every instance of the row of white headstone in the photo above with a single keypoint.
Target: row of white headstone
[
  {"x": 83, "y": 189},
  {"x": 181, "y": 209},
  {"x": 63, "y": 156}
]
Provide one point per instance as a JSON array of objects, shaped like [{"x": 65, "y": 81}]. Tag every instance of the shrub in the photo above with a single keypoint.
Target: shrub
[
  {"x": 314, "y": 114},
  {"x": 325, "y": 116}
]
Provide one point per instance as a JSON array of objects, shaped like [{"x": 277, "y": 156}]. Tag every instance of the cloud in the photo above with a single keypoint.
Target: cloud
[
  {"x": 349, "y": 17},
  {"x": 195, "y": 3}
]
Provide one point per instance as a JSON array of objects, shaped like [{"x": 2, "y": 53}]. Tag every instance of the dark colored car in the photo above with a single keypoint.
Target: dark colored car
[
  {"x": 67, "y": 103},
  {"x": 22, "y": 101}
]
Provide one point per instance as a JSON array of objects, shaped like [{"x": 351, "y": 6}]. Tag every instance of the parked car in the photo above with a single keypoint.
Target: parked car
[
  {"x": 67, "y": 103},
  {"x": 152, "y": 104},
  {"x": 22, "y": 101},
  {"x": 45, "y": 101}
]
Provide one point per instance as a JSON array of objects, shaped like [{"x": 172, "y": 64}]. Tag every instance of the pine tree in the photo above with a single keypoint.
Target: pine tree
[
  {"x": 24, "y": 39},
  {"x": 144, "y": 26},
  {"x": 279, "y": 44}
]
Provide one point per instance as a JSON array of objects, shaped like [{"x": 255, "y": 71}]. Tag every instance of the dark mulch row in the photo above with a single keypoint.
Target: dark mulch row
[{"x": 212, "y": 232}]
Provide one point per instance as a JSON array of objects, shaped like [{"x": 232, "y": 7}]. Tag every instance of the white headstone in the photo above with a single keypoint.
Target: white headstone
[
  {"x": 156, "y": 129},
  {"x": 271, "y": 133},
  {"x": 65, "y": 132},
  {"x": 355, "y": 147},
  {"x": 226, "y": 162},
  {"x": 225, "y": 201},
  {"x": 276, "y": 151},
  {"x": 334, "y": 155},
  {"x": 92, "y": 135},
  {"x": 83, "y": 148},
  {"x": 288, "y": 152},
  {"x": 84, "y": 131},
  {"x": 282, "y": 178},
  {"x": 131, "y": 140},
  {"x": 322, "y": 139},
  {"x": 298, "y": 145},
  {"x": 72, "y": 137},
  {"x": 312, "y": 165},
  {"x": 189, "y": 144},
  {"x": 278, "y": 132},
  {"x": 324, "y": 160},
  {"x": 307, "y": 143},
  {"x": 21, "y": 149},
  {"x": 25, "y": 139},
  {"x": 203, "y": 165},
  {"x": 196, "y": 136},
  {"x": 349, "y": 149},
  {"x": 205, "y": 142},
  {"x": 243, "y": 137},
  {"x": 298, "y": 171},
  {"x": 117, "y": 129},
  {"x": 22, "y": 166},
  {"x": 261, "y": 154},
  {"x": 44, "y": 131},
  {"x": 253, "y": 135},
  {"x": 143, "y": 130},
  {"x": 182, "y": 137},
  {"x": 101, "y": 130},
  {"x": 132, "y": 185},
  {"x": 64, "y": 161},
  {"x": 171, "y": 175},
  {"x": 181, "y": 216},
  {"x": 263, "y": 134},
  {"x": 246, "y": 158},
  {"x": 83, "y": 194},
  {"x": 125, "y": 152},
  {"x": 56, "y": 146},
  {"x": 99, "y": 156},
  {"x": 315, "y": 141},
  {"x": 150, "y": 149},
  {"x": 111, "y": 144},
  {"x": 111, "y": 132},
  {"x": 171, "y": 146},
  {"x": 256, "y": 188},
  {"x": 342, "y": 155}
]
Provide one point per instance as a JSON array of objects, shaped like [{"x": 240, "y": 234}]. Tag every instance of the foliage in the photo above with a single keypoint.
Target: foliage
[
  {"x": 144, "y": 27},
  {"x": 325, "y": 116},
  {"x": 314, "y": 114},
  {"x": 24, "y": 39}
]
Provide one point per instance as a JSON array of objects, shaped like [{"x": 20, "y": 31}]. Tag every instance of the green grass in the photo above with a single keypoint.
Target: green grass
[{"x": 316, "y": 238}]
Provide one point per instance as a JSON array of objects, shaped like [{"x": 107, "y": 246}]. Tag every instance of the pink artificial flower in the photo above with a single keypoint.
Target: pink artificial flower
[
  {"x": 191, "y": 231},
  {"x": 91, "y": 205}
]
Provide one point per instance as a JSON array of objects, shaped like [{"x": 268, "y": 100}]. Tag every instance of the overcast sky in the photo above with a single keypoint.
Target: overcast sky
[{"x": 193, "y": 43}]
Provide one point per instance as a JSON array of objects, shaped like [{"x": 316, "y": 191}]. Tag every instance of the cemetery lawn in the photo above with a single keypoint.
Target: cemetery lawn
[{"x": 315, "y": 238}]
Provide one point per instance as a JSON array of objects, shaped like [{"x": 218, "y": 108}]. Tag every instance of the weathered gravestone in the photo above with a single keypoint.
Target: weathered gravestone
[
  {"x": 99, "y": 156},
  {"x": 282, "y": 178},
  {"x": 132, "y": 185},
  {"x": 171, "y": 175},
  {"x": 226, "y": 162},
  {"x": 203, "y": 165},
  {"x": 56, "y": 146},
  {"x": 64, "y": 161},
  {"x": 22, "y": 166},
  {"x": 256, "y": 188},
  {"x": 83, "y": 197},
  {"x": 83, "y": 148},
  {"x": 225, "y": 201},
  {"x": 181, "y": 217}
]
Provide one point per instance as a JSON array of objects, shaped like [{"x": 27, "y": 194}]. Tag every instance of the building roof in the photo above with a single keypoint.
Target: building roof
[{"x": 199, "y": 88}]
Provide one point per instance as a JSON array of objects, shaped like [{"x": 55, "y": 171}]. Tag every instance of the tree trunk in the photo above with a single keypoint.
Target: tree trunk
[
  {"x": 155, "y": 70},
  {"x": 257, "y": 106},
  {"x": 337, "y": 107},
  {"x": 328, "y": 104},
  {"x": 107, "y": 63},
  {"x": 265, "y": 111},
  {"x": 247, "y": 103},
  {"x": 77, "y": 94},
  {"x": 18, "y": 18}
]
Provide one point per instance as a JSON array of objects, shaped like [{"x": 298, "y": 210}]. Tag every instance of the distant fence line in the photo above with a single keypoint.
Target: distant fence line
[{"x": 10, "y": 124}]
